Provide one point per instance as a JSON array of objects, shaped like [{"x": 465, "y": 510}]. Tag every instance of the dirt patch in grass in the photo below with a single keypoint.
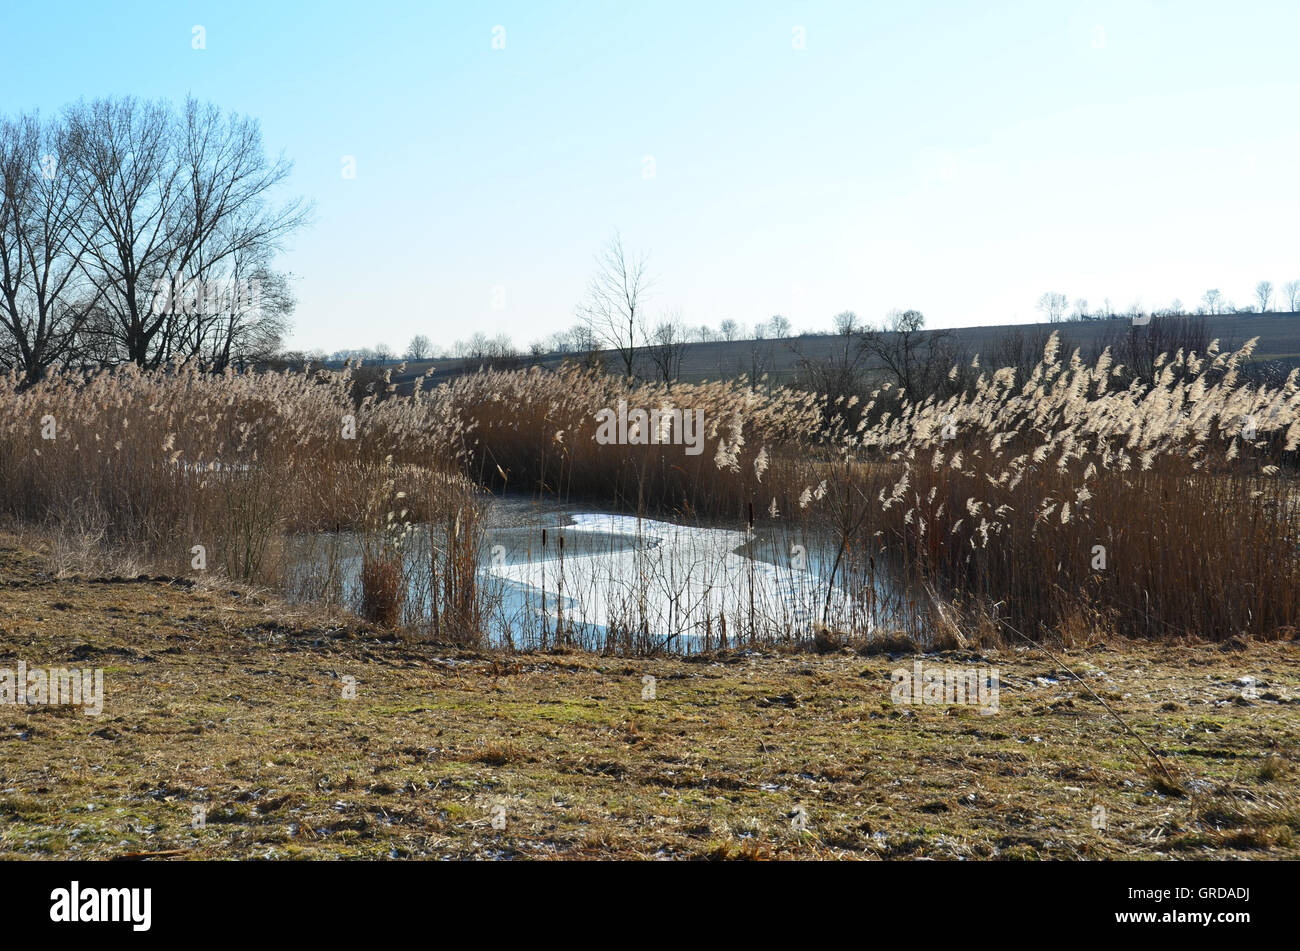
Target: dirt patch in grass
[{"x": 233, "y": 728}]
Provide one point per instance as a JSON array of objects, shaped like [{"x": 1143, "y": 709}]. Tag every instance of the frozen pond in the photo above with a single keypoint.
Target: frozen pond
[{"x": 552, "y": 574}]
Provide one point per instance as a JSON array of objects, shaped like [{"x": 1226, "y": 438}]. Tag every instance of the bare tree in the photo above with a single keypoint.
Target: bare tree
[
  {"x": 236, "y": 314},
  {"x": 582, "y": 339},
  {"x": 846, "y": 323},
  {"x": 128, "y": 176},
  {"x": 1022, "y": 350},
  {"x": 761, "y": 355},
  {"x": 1264, "y": 294},
  {"x": 729, "y": 330},
  {"x": 1292, "y": 291},
  {"x": 918, "y": 361},
  {"x": 502, "y": 353},
  {"x": 420, "y": 348},
  {"x": 226, "y": 237},
  {"x": 1052, "y": 305},
  {"x": 169, "y": 200},
  {"x": 254, "y": 316},
  {"x": 489, "y": 352},
  {"x": 478, "y": 346},
  {"x": 835, "y": 373},
  {"x": 1213, "y": 301},
  {"x": 666, "y": 345},
  {"x": 615, "y": 296},
  {"x": 1135, "y": 348},
  {"x": 45, "y": 300},
  {"x": 779, "y": 326}
]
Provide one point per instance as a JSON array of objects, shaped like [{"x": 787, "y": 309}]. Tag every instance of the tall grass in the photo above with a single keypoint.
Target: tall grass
[
  {"x": 1035, "y": 501},
  {"x": 225, "y": 473},
  {"x": 535, "y": 431},
  {"x": 1162, "y": 510}
]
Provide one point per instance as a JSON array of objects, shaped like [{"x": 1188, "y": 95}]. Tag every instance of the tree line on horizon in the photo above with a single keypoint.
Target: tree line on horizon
[
  {"x": 1055, "y": 307},
  {"x": 615, "y": 332}
]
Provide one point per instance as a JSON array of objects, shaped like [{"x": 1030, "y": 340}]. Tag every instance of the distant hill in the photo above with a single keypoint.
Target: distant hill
[{"x": 1278, "y": 333}]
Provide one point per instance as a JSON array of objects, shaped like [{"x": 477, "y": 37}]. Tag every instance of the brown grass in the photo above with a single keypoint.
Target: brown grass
[
  {"x": 235, "y": 704},
  {"x": 382, "y": 592}
]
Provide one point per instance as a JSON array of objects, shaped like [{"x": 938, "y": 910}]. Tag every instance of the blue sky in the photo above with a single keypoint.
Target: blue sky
[{"x": 958, "y": 158}]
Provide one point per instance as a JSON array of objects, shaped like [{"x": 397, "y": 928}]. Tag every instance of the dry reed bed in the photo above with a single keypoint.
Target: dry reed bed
[
  {"x": 1160, "y": 510},
  {"x": 536, "y": 431},
  {"x": 1044, "y": 505}
]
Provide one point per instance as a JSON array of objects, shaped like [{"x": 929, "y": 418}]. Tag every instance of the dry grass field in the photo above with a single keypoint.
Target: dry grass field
[{"x": 234, "y": 704}]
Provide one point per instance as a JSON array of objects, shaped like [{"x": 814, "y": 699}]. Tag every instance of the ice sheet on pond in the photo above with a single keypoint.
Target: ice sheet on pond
[{"x": 671, "y": 580}]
